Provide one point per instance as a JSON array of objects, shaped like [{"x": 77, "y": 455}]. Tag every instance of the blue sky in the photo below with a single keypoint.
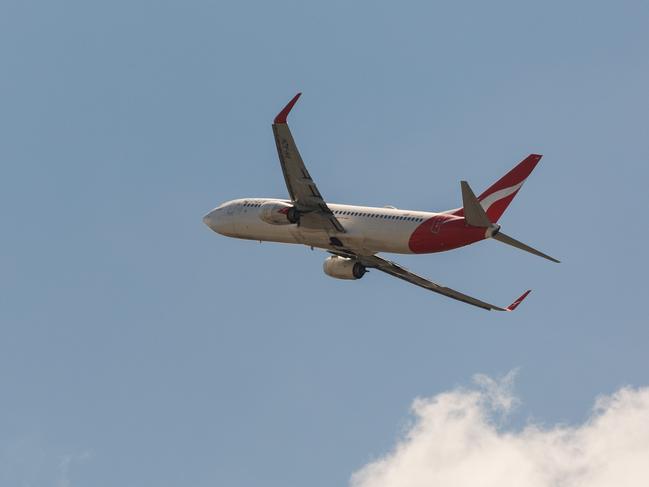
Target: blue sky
[{"x": 139, "y": 348}]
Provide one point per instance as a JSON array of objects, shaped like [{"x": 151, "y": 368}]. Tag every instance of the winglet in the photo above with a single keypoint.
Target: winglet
[
  {"x": 513, "y": 306},
  {"x": 281, "y": 116}
]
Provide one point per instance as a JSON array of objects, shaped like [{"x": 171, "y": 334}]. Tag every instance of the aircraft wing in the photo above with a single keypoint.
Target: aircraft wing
[
  {"x": 303, "y": 192},
  {"x": 383, "y": 265}
]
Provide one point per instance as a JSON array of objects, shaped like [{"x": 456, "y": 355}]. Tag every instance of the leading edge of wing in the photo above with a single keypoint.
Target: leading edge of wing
[
  {"x": 281, "y": 116},
  {"x": 396, "y": 270}
]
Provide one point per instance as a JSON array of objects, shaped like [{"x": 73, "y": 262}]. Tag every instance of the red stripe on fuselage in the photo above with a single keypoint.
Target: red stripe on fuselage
[{"x": 443, "y": 232}]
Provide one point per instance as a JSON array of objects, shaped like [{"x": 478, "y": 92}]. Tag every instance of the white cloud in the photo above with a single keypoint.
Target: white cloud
[{"x": 455, "y": 440}]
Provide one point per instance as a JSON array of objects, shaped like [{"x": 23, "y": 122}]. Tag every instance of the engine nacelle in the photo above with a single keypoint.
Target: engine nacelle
[
  {"x": 278, "y": 213},
  {"x": 343, "y": 268}
]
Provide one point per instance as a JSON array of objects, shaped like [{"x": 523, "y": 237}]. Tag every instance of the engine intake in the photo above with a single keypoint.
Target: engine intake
[
  {"x": 343, "y": 268},
  {"x": 293, "y": 215},
  {"x": 278, "y": 213}
]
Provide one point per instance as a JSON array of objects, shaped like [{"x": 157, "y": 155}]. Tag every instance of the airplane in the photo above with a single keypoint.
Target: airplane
[{"x": 355, "y": 234}]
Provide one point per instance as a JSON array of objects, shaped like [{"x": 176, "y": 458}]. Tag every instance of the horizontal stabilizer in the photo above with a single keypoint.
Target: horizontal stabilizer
[
  {"x": 474, "y": 214},
  {"x": 506, "y": 239}
]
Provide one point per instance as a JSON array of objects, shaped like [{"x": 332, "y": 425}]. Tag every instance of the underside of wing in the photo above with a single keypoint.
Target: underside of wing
[
  {"x": 304, "y": 193},
  {"x": 393, "y": 269}
]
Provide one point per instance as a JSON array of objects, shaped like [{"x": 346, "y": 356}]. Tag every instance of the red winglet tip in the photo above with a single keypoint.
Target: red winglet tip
[
  {"x": 281, "y": 116},
  {"x": 515, "y": 304}
]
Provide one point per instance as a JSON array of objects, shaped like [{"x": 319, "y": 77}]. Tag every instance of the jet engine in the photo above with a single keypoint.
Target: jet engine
[
  {"x": 343, "y": 268},
  {"x": 278, "y": 213}
]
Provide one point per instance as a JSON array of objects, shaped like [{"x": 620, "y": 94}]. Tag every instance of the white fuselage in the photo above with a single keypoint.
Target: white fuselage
[{"x": 367, "y": 229}]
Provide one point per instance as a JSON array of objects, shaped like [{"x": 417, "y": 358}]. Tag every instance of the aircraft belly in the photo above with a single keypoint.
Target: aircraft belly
[
  {"x": 388, "y": 244},
  {"x": 372, "y": 237},
  {"x": 312, "y": 237},
  {"x": 360, "y": 236},
  {"x": 250, "y": 227}
]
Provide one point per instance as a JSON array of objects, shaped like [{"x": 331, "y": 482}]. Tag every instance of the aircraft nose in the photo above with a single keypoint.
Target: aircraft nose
[{"x": 212, "y": 220}]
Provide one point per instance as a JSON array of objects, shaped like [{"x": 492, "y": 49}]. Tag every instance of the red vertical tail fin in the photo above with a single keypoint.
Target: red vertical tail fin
[{"x": 497, "y": 197}]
